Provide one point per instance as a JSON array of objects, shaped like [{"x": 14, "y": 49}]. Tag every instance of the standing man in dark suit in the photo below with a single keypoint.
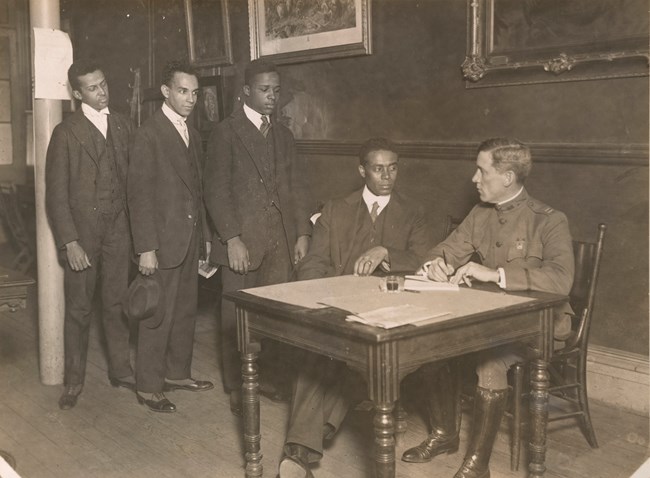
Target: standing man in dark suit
[
  {"x": 372, "y": 229},
  {"x": 86, "y": 167},
  {"x": 168, "y": 223},
  {"x": 256, "y": 195}
]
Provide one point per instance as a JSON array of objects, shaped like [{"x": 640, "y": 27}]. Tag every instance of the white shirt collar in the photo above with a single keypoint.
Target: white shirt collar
[
  {"x": 511, "y": 197},
  {"x": 370, "y": 198},
  {"x": 98, "y": 118},
  {"x": 172, "y": 115},
  {"x": 254, "y": 116},
  {"x": 91, "y": 112}
]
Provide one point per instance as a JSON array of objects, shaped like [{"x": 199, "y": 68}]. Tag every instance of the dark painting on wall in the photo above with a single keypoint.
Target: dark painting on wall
[
  {"x": 535, "y": 41},
  {"x": 550, "y": 24},
  {"x": 208, "y": 32}
]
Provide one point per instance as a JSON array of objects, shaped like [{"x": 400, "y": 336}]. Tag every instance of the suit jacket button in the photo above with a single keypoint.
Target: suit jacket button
[
  {"x": 499, "y": 244},
  {"x": 189, "y": 216}
]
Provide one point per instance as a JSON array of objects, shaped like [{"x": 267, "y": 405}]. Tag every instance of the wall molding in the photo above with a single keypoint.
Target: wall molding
[
  {"x": 634, "y": 154},
  {"x": 618, "y": 378}
]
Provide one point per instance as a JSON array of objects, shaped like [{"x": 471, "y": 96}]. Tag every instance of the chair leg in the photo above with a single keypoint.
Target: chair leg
[
  {"x": 583, "y": 402},
  {"x": 515, "y": 445}
]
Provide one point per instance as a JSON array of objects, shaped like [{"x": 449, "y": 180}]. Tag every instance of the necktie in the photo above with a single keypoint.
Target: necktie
[
  {"x": 265, "y": 126},
  {"x": 373, "y": 212},
  {"x": 185, "y": 133}
]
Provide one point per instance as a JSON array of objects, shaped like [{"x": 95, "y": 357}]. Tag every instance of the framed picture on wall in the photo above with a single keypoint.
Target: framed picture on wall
[
  {"x": 287, "y": 31},
  {"x": 208, "y": 32},
  {"x": 529, "y": 41}
]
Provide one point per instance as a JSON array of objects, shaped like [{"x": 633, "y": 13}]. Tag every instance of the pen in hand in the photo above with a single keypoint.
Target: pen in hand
[{"x": 444, "y": 258}]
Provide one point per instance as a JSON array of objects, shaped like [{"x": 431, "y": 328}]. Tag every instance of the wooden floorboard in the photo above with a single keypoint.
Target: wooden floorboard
[{"x": 108, "y": 434}]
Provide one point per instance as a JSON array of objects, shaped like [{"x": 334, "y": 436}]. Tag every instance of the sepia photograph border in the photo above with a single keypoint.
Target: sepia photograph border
[{"x": 337, "y": 44}]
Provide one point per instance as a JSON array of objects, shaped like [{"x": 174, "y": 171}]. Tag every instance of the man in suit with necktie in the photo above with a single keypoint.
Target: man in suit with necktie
[
  {"x": 256, "y": 195},
  {"x": 372, "y": 229},
  {"x": 86, "y": 168},
  {"x": 168, "y": 223}
]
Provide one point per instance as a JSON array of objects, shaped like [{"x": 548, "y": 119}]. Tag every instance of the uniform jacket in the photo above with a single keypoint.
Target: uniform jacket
[
  {"x": 405, "y": 235},
  {"x": 238, "y": 193},
  {"x": 71, "y": 171},
  {"x": 528, "y": 239},
  {"x": 164, "y": 194}
]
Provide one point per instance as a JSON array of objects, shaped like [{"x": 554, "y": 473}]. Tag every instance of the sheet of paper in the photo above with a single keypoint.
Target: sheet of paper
[
  {"x": 394, "y": 316},
  {"x": 206, "y": 269},
  {"x": 422, "y": 283},
  {"x": 52, "y": 58},
  {"x": 309, "y": 293}
]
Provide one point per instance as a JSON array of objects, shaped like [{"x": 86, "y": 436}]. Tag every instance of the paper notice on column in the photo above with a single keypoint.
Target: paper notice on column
[{"x": 52, "y": 58}]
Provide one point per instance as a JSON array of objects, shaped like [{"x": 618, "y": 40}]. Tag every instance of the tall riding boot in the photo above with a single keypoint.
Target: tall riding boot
[
  {"x": 489, "y": 406},
  {"x": 443, "y": 411}
]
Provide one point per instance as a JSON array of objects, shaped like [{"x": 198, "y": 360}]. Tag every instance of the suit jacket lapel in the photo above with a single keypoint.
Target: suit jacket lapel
[
  {"x": 120, "y": 144},
  {"x": 80, "y": 128},
  {"x": 394, "y": 215},
  {"x": 248, "y": 134},
  {"x": 176, "y": 150},
  {"x": 355, "y": 203}
]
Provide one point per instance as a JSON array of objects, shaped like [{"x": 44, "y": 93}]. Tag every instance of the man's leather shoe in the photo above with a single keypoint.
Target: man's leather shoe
[
  {"x": 116, "y": 382},
  {"x": 191, "y": 385},
  {"x": 69, "y": 397},
  {"x": 235, "y": 403},
  {"x": 295, "y": 463},
  {"x": 157, "y": 403},
  {"x": 434, "y": 445}
]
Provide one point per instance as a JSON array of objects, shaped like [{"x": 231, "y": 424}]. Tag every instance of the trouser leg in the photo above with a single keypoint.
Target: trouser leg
[
  {"x": 180, "y": 346},
  {"x": 319, "y": 398},
  {"x": 114, "y": 283},
  {"x": 442, "y": 413},
  {"x": 79, "y": 291}
]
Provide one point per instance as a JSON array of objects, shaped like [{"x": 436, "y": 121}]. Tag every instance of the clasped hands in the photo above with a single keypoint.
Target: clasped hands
[
  {"x": 437, "y": 270},
  {"x": 370, "y": 260}
]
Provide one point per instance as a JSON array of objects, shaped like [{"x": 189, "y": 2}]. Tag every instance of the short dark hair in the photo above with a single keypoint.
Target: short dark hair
[
  {"x": 375, "y": 144},
  {"x": 176, "y": 66},
  {"x": 509, "y": 155},
  {"x": 257, "y": 67},
  {"x": 79, "y": 68}
]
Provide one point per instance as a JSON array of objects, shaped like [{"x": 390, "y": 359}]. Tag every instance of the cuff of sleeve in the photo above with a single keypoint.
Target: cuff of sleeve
[{"x": 502, "y": 278}]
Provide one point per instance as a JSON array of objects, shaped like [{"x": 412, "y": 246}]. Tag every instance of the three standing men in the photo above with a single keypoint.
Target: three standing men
[
  {"x": 86, "y": 169},
  {"x": 168, "y": 224}
]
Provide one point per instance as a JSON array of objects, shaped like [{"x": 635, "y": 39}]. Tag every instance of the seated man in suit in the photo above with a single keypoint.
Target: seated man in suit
[
  {"x": 523, "y": 244},
  {"x": 372, "y": 229}
]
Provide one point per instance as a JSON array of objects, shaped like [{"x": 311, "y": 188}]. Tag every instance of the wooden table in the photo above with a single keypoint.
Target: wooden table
[
  {"x": 385, "y": 356},
  {"x": 13, "y": 289}
]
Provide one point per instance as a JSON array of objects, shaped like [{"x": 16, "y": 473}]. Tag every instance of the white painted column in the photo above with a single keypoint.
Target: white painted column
[{"x": 51, "y": 301}]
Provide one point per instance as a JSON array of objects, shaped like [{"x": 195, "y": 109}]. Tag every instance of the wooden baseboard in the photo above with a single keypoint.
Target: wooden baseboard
[{"x": 619, "y": 378}]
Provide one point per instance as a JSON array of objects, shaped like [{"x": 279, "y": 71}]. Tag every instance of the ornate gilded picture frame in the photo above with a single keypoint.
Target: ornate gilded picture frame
[
  {"x": 514, "y": 42},
  {"x": 208, "y": 32},
  {"x": 293, "y": 32}
]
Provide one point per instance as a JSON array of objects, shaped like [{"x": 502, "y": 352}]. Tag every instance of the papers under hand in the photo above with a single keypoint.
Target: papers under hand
[
  {"x": 394, "y": 316},
  {"x": 418, "y": 282},
  {"x": 206, "y": 269}
]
